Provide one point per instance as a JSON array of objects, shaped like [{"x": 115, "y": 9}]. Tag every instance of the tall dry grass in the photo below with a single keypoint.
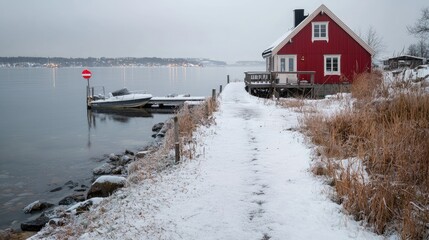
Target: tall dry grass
[
  {"x": 189, "y": 118},
  {"x": 162, "y": 156},
  {"x": 365, "y": 85},
  {"x": 387, "y": 133}
]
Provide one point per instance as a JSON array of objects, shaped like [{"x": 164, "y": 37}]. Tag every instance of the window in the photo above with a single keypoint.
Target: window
[
  {"x": 291, "y": 64},
  {"x": 287, "y": 63},
  {"x": 332, "y": 65},
  {"x": 282, "y": 65},
  {"x": 319, "y": 31}
]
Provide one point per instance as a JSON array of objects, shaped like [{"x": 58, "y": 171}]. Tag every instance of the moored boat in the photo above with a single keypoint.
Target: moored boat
[{"x": 120, "y": 99}]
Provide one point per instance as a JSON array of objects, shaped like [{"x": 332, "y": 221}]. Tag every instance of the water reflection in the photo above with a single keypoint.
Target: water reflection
[
  {"x": 54, "y": 77},
  {"x": 116, "y": 115}
]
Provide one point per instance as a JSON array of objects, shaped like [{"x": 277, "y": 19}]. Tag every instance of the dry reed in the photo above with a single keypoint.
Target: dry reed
[
  {"x": 295, "y": 103},
  {"x": 160, "y": 157},
  {"x": 388, "y": 132}
]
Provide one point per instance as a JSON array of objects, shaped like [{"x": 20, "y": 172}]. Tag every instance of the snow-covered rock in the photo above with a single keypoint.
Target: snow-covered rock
[
  {"x": 125, "y": 159},
  {"x": 141, "y": 154},
  {"x": 104, "y": 186},
  {"x": 106, "y": 168},
  {"x": 157, "y": 127},
  {"x": 111, "y": 179},
  {"x": 37, "y": 206},
  {"x": 85, "y": 205},
  {"x": 113, "y": 157},
  {"x": 129, "y": 152},
  {"x": 72, "y": 199}
]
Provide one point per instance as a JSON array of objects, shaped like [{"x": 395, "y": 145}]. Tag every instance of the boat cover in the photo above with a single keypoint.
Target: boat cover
[{"x": 121, "y": 92}]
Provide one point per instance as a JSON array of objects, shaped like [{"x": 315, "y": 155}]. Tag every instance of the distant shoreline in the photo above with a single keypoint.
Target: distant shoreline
[{"x": 55, "y": 62}]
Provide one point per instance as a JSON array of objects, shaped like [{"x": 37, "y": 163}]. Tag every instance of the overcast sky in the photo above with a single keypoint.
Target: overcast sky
[{"x": 227, "y": 30}]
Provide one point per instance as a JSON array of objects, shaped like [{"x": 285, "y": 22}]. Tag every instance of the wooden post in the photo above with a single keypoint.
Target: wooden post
[
  {"x": 88, "y": 106},
  {"x": 176, "y": 140},
  {"x": 276, "y": 95},
  {"x": 227, "y": 79},
  {"x": 213, "y": 94}
]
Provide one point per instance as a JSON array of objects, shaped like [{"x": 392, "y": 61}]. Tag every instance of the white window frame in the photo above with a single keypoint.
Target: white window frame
[
  {"x": 280, "y": 57},
  {"x": 282, "y": 64},
  {"x": 319, "y": 38},
  {"x": 326, "y": 68}
]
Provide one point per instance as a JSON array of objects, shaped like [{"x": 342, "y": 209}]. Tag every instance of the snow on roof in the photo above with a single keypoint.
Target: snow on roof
[
  {"x": 279, "y": 43},
  {"x": 407, "y": 57}
]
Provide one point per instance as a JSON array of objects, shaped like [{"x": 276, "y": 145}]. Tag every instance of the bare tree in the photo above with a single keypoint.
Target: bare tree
[
  {"x": 375, "y": 41},
  {"x": 419, "y": 49},
  {"x": 421, "y": 27},
  {"x": 413, "y": 50}
]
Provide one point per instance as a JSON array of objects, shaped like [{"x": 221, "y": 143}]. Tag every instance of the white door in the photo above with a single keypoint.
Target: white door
[{"x": 287, "y": 63}]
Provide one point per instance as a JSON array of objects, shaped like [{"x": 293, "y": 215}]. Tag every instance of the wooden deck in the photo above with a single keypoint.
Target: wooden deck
[
  {"x": 160, "y": 102},
  {"x": 280, "y": 84}
]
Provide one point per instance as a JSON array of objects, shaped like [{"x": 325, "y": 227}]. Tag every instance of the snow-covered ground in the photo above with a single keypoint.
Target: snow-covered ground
[
  {"x": 418, "y": 74},
  {"x": 250, "y": 180}
]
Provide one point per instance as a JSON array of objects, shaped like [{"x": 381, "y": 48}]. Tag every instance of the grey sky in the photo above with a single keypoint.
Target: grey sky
[{"x": 228, "y": 30}]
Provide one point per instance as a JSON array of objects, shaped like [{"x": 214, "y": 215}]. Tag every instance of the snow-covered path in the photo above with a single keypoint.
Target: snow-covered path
[
  {"x": 251, "y": 180},
  {"x": 254, "y": 180}
]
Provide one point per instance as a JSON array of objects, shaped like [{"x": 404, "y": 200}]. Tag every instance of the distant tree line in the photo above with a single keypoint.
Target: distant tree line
[{"x": 103, "y": 62}]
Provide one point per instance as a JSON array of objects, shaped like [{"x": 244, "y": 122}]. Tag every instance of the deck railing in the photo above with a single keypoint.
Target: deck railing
[
  {"x": 257, "y": 77},
  {"x": 280, "y": 83},
  {"x": 280, "y": 78},
  {"x": 299, "y": 77}
]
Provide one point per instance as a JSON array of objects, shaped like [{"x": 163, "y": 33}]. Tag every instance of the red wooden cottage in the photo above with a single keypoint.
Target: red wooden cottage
[{"x": 319, "y": 42}]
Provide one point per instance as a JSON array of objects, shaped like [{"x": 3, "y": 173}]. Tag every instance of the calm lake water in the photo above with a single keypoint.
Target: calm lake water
[{"x": 47, "y": 136}]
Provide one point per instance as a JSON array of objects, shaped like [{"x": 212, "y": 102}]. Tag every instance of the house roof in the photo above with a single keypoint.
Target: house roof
[
  {"x": 407, "y": 57},
  {"x": 277, "y": 45}
]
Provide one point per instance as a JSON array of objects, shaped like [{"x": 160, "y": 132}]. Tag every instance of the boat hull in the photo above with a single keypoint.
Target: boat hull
[{"x": 126, "y": 101}]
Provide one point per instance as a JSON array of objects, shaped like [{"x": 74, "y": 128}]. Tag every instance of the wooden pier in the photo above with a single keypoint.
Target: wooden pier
[
  {"x": 172, "y": 102},
  {"x": 280, "y": 84}
]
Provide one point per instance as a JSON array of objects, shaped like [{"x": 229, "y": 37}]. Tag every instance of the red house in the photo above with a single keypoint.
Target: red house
[{"x": 322, "y": 43}]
